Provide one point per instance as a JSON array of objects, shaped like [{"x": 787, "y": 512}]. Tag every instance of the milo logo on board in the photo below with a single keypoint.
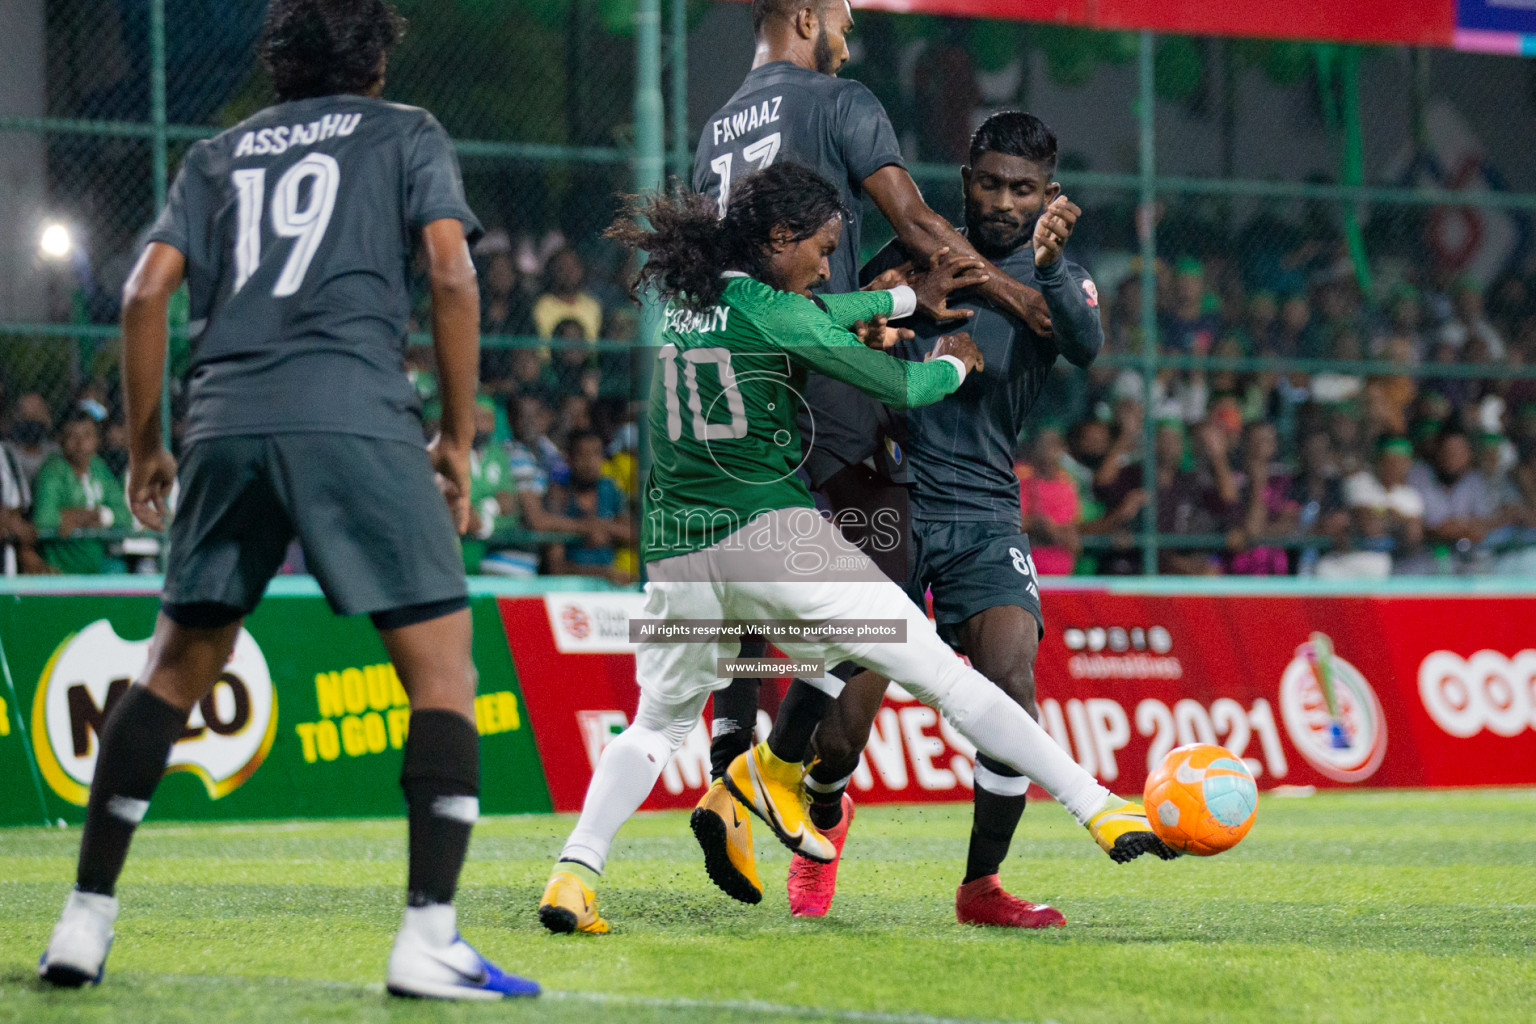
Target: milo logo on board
[{"x": 227, "y": 736}]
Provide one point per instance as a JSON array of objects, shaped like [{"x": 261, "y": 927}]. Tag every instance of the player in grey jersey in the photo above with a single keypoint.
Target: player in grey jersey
[
  {"x": 793, "y": 107},
  {"x": 294, "y": 232},
  {"x": 967, "y": 539}
]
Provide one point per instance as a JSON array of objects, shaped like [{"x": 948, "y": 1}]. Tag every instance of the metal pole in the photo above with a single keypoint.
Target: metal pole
[
  {"x": 1148, "y": 232},
  {"x": 680, "y": 88},
  {"x": 1354, "y": 163},
  {"x": 161, "y": 155},
  {"x": 21, "y": 728},
  {"x": 650, "y": 172}
]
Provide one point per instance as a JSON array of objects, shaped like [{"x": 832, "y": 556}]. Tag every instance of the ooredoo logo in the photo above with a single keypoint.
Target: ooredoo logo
[
  {"x": 1486, "y": 691},
  {"x": 227, "y": 736},
  {"x": 1331, "y": 713}
]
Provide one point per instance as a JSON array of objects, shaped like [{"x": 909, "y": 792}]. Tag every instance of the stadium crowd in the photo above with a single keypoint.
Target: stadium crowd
[{"x": 1328, "y": 472}]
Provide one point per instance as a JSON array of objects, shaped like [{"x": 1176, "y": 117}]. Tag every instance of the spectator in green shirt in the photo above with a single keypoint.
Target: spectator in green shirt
[
  {"x": 76, "y": 491},
  {"x": 493, "y": 499}
]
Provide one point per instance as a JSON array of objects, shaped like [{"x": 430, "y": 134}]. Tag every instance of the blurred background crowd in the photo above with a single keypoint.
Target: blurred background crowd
[{"x": 1338, "y": 386}]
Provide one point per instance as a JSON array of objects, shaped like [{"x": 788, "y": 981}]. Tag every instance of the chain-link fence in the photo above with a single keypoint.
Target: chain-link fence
[{"x": 1331, "y": 241}]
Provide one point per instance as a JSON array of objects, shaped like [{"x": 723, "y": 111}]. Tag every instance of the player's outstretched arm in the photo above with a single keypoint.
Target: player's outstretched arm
[
  {"x": 456, "y": 341},
  {"x": 810, "y": 338},
  {"x": 151, "y": 469},
  {"x": 923, "y": 233}
]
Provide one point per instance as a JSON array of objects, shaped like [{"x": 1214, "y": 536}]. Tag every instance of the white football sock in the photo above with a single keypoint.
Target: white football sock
[
  {"x": 436, "y": 923},
  {"x": 626, "y": 773},
  {"x": 1002, "y": 730}
]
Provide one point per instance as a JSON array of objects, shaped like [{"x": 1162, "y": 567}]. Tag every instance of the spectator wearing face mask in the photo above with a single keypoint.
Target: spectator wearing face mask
[
  {"x": 76, "y": 491},
  {"x": 31, "y": 433},
  {"x": 18, "y": 537}
]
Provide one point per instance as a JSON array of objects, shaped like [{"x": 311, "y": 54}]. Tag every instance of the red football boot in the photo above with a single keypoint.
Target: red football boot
[
  {"x": 985, "y": 902},
  {"x": 811, "y": 885}
]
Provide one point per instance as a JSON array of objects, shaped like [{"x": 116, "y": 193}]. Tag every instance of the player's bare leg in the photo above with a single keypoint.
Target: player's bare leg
[
  {"x": 183, "y": 664},
  {"x": 1004, "y": 640}
]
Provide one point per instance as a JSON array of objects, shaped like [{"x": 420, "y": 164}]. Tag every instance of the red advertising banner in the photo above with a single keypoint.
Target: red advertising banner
[
  {"x": 1321, "y": 691},
  {"x": 1411, "y": 22}
]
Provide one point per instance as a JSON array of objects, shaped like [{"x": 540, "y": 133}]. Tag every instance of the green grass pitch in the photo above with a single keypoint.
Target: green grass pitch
[{"x": 1351, "y": 907}]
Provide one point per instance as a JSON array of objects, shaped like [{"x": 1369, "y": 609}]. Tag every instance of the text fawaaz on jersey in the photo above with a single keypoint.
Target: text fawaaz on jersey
[{"x": 758, "y": 114}]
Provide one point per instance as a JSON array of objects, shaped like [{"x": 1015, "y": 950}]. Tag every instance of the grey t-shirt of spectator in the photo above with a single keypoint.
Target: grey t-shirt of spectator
[
  {"x": 1469, "y": 497},
  {"x": 298, "y": 227}
]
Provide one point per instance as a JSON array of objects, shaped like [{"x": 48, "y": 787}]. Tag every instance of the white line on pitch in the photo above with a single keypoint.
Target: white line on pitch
[
  {"x": 620, "y": 999},
  {"x": 757, "y": 1006}
]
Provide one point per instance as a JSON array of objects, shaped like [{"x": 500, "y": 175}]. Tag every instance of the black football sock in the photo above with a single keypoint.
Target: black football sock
[
  {"x": 441, "y": 779},
  {"x": 825, "y": 784},
  {"x": 826, "y": 801},
  {"x": 135, "y": 744},
  {"x": 996, "y": 816},
  {"x": 800, "y": 713},
  {"x": 734, "y": 715}
]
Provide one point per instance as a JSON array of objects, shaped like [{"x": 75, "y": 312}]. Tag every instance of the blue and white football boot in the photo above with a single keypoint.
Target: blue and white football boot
[{"x": 431, "y": 961}]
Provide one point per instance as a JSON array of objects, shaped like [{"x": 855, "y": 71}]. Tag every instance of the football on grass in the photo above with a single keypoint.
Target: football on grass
[{"x": 1201, "y": 799}]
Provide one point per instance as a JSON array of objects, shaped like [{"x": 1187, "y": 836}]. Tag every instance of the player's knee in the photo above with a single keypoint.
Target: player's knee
[
  {"x": 1019, "y": 683},
  {"x": 672, "y": 724},
  {"x": 184, "y": 662}
]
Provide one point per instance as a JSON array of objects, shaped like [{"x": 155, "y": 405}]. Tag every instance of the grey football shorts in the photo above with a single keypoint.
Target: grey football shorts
[
  {"x": 367, "y": 513},
  {"x": 971, "y": 566}
]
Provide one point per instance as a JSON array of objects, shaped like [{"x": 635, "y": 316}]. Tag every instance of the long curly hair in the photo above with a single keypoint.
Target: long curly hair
[
  {"x": 688, "y": 243},
  {"x": 327, "y": 47}
]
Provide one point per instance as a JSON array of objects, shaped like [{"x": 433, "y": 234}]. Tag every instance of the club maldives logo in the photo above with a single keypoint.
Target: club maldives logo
[
  {"x": 593, "y": 623},
  {"x": 228, "y": 733},
  {"x": 575, "y": 621},
  {"x": 1331, "y": 713}
]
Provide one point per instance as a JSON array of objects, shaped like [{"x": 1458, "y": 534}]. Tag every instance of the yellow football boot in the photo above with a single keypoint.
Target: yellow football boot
[
  {"x": 1122, "y": 831},
  {"x": 724, "y": 831},
  {"x": 569, "y": 905},
  {"x": 774, "y": 790}
]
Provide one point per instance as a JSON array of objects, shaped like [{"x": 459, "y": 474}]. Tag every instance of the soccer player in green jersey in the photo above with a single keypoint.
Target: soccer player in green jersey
[{"x": 729, "y": 532}]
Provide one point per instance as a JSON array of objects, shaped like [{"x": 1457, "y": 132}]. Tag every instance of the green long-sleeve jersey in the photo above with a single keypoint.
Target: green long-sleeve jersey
[{"x": 723, "y": 403}]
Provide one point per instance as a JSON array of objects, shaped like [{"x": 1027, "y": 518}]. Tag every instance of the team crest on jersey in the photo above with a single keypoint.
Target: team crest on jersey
[
  {"x": 1091, "y": 290},
  {"x": 893, "y": 450}
]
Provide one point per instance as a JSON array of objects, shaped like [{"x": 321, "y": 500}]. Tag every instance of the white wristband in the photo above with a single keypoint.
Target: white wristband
[
  {"x": 957, "y": 364},
  {"x": 107, "y": 517},
  {"x": 903, "y": 301}
]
